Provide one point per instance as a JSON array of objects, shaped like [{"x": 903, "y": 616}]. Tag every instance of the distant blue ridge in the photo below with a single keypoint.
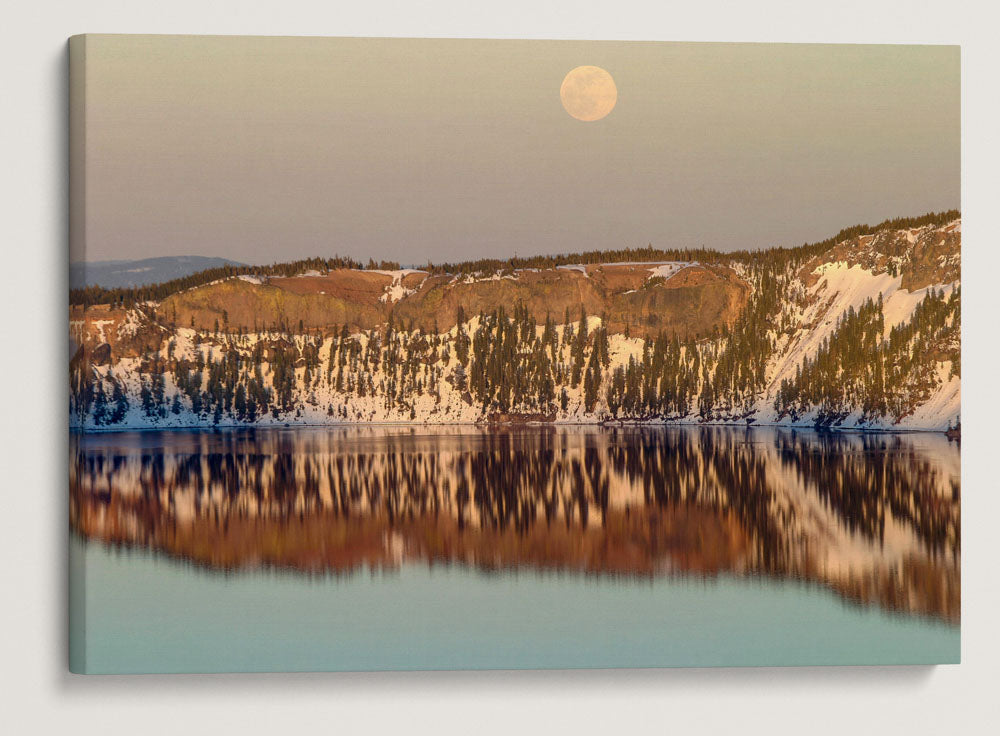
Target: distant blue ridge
[{"x": 126, "y": 273}]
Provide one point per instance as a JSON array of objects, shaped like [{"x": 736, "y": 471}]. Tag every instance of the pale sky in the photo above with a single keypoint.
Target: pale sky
[{"x": 271, "y": 149}]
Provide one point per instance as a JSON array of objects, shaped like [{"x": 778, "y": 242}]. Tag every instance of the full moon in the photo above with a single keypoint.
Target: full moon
[{"x": 588, "y": 93}]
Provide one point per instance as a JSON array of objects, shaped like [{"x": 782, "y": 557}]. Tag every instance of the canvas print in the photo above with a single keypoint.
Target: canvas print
[{"x": 457, "y": 354}]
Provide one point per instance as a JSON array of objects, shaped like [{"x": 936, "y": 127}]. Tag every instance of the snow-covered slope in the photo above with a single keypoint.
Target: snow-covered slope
[{"x": 841, "y": 288}]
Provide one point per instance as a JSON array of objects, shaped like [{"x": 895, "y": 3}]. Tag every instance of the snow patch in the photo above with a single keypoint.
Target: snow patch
[
  {"x": 100, "y": 324},
  {"x": 672, "y": 268},
  {"x": 395, "y": 290}
]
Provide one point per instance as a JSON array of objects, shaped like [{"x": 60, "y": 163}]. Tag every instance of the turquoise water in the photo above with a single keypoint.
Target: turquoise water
[
  {"x": 372, "y": 548},
  {"x": 144, "y": 612}
]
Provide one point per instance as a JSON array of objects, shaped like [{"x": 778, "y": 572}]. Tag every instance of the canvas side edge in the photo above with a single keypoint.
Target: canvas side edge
[{"x": 77, "y": 659}]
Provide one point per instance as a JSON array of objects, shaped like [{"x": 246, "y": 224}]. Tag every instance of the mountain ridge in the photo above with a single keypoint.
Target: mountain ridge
[
  {"x": 130, "y": 273},
  {"x": 765, "y": 337}
]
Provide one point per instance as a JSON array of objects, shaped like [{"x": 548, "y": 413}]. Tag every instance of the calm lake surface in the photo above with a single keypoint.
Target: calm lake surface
[{"x": 370, "y": 548}]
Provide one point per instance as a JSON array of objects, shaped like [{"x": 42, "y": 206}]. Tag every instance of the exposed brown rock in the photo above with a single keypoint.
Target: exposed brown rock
[
  {"x": 693, "y": 301},
  {"x": 101, "y": 355}
]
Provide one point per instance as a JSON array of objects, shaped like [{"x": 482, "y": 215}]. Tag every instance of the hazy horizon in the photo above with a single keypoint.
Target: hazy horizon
[{"x": 264, "y": 149}]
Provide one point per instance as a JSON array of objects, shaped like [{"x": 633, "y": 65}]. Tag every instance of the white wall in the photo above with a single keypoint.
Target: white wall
[{"x": 38, "y": 696}]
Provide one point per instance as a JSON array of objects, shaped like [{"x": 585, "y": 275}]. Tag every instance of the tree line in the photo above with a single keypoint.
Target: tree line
[{"x": 121, "y": 297}]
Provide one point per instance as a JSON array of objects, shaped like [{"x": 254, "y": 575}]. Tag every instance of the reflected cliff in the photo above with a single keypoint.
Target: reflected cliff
[{"x": 874, "y": 517}]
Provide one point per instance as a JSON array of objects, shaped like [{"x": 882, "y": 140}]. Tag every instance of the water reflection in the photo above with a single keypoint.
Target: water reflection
[{"x": 875, "y": 517}]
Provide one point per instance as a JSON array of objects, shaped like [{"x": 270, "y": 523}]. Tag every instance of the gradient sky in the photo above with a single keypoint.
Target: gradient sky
[{"x": 270, "y": 149}]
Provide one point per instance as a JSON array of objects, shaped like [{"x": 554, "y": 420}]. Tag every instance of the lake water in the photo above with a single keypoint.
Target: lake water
[{"x": 371, "y": 548}]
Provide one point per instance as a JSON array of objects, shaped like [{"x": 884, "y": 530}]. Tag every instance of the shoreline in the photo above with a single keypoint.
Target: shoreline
[{"x": 951, "y": 433}]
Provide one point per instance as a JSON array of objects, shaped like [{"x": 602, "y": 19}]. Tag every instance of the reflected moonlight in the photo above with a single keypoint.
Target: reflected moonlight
[{"x": 588, "y": 93}]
